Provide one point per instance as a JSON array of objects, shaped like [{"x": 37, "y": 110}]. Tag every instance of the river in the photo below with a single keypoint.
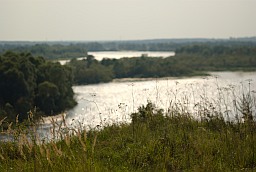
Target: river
[
  {"x": 106, "y": 103},
  {"x": 99, "y": 55}
]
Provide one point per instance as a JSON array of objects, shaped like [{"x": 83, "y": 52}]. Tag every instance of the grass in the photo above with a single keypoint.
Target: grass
[{"x": 154, "y": 141}]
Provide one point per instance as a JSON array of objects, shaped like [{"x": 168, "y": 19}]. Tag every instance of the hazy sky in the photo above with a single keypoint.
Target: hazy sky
[{"x": 47, "y": 20}]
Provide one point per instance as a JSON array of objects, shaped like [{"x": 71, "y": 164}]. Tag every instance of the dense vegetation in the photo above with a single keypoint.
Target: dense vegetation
[
  {"x": 27, "y": 82},
  {"x": 69, "y": 49},
  {"x": 208, "y": 58},
  {"x": 89, "y": 71},
  {"x": 189, "y": 60},
  {"x": 153, "y": 141},
  {"x": 49, "y": 51}
]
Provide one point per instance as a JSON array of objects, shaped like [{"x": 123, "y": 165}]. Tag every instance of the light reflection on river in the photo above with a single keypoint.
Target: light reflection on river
[
  {"x": 99, "y": 55},
  {"x": 103, "y": 104},
  {"x": 106, "y": 103}
]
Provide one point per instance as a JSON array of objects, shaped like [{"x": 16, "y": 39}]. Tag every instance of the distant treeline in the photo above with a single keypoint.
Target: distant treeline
[
  {"x": 56, "y": 50},
  {"x": 188, "y": 61},
  {"x": 213, "y": 50},
  {"x": 217, "y": 58},
  {"x": 27, "y": 82}
]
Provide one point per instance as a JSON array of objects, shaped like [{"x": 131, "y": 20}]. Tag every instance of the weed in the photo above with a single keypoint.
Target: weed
[{"x": 155, "y": 140}]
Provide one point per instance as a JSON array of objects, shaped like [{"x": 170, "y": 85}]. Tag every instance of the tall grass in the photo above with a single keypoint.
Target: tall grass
[{"x": 155, "y": 140}]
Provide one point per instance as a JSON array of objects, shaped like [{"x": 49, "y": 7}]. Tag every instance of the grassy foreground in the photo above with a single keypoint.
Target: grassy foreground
[{"x": 153, "y": 141}]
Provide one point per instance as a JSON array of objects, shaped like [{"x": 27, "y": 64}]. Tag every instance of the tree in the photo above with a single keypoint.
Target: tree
[
  {"x": 27, "y": 82},
  {"x": 47, "y": 97}
]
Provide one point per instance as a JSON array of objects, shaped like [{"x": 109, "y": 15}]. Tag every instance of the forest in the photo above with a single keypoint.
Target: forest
[
  {"x": 48, "y": 51},
  {"x": 189, "y": 61},
  {"x": 28, "y": 82}
]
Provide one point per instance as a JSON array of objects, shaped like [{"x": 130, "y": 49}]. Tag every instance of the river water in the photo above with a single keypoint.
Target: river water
[
  {"x": 107, "y": 103},
  {"x": 99, "y": 55},
  {"x": 114, "y": 102}
]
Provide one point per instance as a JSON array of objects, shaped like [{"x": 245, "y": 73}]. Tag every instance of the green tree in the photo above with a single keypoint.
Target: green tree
[
  {"x": 27, "y": 82},
  {"x": 47, "y": 97}
]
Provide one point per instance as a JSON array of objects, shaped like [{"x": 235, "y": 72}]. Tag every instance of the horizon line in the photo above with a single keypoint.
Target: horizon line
[{"x": 127, "y": 40}]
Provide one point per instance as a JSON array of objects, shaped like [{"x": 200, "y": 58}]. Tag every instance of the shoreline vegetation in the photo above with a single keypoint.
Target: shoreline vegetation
[
  {"x": 154, "y": 140},
  {"x": 194, "y": 60}
]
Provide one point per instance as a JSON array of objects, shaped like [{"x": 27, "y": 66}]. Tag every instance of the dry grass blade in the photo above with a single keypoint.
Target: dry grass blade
[
  {"x": 67, "y": 140},
  {"x": 57, "y": 151},
  {"x": 2, "y": 157},
  {"x": 64, "y": 120},
  {"x": 2, "y": 120},
  {"x": 94, "y": 143},
  {"x": 83, "y": 143}
]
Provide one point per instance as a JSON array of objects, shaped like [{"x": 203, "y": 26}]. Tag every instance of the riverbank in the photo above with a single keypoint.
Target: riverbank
[
  {"x": 198, "y": 75},
  {"x": 147, "y": 139},
  {"x": 153, "y": 141}
]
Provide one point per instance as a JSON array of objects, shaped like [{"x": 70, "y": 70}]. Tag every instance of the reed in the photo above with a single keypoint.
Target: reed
[{"x": 155, "y": 140}]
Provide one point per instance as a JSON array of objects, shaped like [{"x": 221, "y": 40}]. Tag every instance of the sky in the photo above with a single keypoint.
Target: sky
[{"x": 94, "y": 20}]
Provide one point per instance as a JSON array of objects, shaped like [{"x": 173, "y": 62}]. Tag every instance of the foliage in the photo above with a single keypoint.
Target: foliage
[
  {"x": 209, "y": 50},
  {"x": 210, "y": 58},
  {"x": 70, "y": 49},
  {"x": 49, "y": 51},
  {"x": 146, "y": 67},
  {"x": 27, "y": 82},
  {"x": 193, "y": 57},
  {"x": 153, "y": 141},
  {"x": 90, "y": 71},
  {"x": 189, "y": 61}
]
